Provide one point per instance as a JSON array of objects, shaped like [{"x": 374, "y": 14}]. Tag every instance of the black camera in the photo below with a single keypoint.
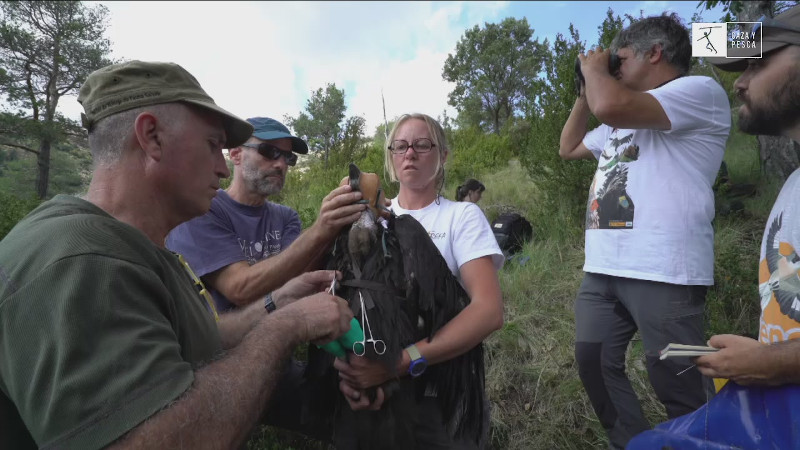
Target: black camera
[{"x": 613, "y": 67}]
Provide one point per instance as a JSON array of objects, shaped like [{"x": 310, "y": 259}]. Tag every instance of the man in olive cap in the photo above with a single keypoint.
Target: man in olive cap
[
  {"x": 758, "y": 409},
  {"x": 108, "y": 337}
]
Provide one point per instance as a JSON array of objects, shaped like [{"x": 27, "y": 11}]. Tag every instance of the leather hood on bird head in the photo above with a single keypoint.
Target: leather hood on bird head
[{"x": 370, "y": 186}]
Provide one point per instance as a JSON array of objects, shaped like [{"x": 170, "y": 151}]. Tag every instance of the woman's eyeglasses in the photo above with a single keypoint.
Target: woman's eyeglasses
[
  {"x": 269, "y": 151},
  {"x": 421, "y": 145}
]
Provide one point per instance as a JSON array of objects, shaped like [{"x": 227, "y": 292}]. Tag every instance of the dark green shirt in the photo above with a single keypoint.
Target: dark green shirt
[{"x": 99, "y": 328}]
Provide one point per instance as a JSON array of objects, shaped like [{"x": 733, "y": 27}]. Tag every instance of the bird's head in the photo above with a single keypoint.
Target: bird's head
[
  {"x": 363, "y": 233},
  {"x": 369, "y": 184}
]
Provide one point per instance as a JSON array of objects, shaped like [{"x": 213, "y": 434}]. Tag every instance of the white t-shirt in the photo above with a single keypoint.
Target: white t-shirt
[
  {"x": 779, "y": 268},
  {"x": 651, "y": 201},
  {"x": 459, "y": 230}
]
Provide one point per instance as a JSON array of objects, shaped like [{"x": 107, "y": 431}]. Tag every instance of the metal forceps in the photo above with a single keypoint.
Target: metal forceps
[
  {"x": 333, "y": 284},
  {"x": 377, "y": 344}
]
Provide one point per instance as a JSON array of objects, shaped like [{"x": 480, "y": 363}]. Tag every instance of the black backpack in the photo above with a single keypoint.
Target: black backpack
[{"x": 511, "y": 231}]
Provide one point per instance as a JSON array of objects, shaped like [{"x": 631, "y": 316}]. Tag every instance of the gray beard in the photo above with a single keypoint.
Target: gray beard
[{"x": 260, "y": 182}]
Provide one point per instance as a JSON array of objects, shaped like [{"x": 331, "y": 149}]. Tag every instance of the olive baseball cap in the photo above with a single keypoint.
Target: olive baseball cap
[
  {"x": 776, "y": 33},
  {"x": 133, "y": 84}
]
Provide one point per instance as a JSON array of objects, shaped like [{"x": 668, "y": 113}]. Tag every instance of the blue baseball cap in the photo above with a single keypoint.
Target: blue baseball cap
[{"x": 268, "y": 129}]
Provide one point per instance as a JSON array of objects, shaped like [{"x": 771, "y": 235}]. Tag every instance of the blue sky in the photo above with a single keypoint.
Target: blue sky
[{"x": 265, "y": 58}]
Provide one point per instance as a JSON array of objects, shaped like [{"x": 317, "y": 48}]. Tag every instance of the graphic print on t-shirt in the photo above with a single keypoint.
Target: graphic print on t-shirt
[
  {"x": 779, "y": 288},
  {"x": 610, "y": 206},
  {"x": 255, "y": 251}
]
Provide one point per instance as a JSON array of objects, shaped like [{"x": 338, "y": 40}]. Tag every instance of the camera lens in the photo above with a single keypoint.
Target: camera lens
[
  {"x": 578, "y": 76},
  {"x": 614, "y": 64}
]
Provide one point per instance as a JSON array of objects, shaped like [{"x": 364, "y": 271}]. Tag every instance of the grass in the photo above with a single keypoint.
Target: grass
[
  {"x": 537, "y": 400},
  {"x": 742, "y": 158}
]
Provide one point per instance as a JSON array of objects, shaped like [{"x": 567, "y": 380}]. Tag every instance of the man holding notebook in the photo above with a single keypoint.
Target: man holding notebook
[
  {"x": 770, "y": 91},
  {"x": 758, "y": 409}
]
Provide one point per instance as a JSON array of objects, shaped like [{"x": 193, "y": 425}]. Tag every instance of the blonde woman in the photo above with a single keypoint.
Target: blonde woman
[{"x": 415, "y": 158}]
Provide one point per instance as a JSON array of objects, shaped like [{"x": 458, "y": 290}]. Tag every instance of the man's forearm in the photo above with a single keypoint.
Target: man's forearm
[
  {"x": 607, "y": 98},
  {"x": 227, "y": 397},
  {"x": 784, "y": 360},
  {"x": 277, "y": 270},
  {"x": 234, "y": 325},
  {"x": 316, "y": 260},
  {"x": 269, "y": 274},
  {"x": 575, "y": 128}
]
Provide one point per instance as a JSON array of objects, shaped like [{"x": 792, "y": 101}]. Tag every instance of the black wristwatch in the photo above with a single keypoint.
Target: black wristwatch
[{"x": 269, "y": 304}]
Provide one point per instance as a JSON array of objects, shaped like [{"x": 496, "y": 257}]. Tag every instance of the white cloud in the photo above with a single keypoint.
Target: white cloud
[
  {"x": 265, "y": 58},
  {"x": 654, "y": 8}
]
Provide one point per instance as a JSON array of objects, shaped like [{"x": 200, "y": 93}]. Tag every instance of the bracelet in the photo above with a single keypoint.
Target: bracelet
[{"x": 269, "y": 304}]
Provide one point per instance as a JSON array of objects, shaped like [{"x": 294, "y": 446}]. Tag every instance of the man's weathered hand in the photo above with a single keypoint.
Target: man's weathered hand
[
  {"x": 320, "y": 318},
  {"x": 594, "y": 62},
  {"x": 739, "y": 359},
  {"x": 339, "y": 208},
  {"x": 304, "y": 285},
  {"x": 386, "y": 202}
]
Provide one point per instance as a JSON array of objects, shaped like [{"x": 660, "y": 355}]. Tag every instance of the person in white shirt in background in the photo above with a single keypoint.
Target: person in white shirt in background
[{"x": 649, "y": 239}]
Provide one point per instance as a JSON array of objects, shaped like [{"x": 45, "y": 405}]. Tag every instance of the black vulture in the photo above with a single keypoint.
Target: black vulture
[{"x": 393, "y": 266}]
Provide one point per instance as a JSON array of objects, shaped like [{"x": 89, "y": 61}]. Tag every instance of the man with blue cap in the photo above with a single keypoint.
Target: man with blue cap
[{"x": 245, "y": 247}]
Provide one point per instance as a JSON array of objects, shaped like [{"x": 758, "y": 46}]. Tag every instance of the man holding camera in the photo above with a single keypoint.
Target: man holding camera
[{"x": 649, "y": 240}]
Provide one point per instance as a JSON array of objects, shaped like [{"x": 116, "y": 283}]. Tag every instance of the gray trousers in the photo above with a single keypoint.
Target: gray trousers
[{"x": 608, "y": 311}]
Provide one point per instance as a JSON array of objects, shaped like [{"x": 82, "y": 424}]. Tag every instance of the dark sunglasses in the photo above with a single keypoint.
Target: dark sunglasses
[{"x": 269, "y": 151}]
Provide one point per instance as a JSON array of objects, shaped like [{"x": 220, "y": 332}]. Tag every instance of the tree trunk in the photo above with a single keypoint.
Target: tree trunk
[
  {"x": 51, "y": 103},
  {"x": 780, "y": 155},
  {"x": 43, "y": 174}
]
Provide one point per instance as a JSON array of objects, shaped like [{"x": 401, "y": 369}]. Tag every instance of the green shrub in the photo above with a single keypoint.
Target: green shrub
[
  {"x": 473, "y": 152},
  {"x": 564, "y": 185},
  {"x": 13, "y": 209}
]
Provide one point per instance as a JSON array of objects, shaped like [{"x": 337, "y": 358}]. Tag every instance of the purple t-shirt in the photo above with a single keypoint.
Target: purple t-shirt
[{"x": 231, "y": 232}]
